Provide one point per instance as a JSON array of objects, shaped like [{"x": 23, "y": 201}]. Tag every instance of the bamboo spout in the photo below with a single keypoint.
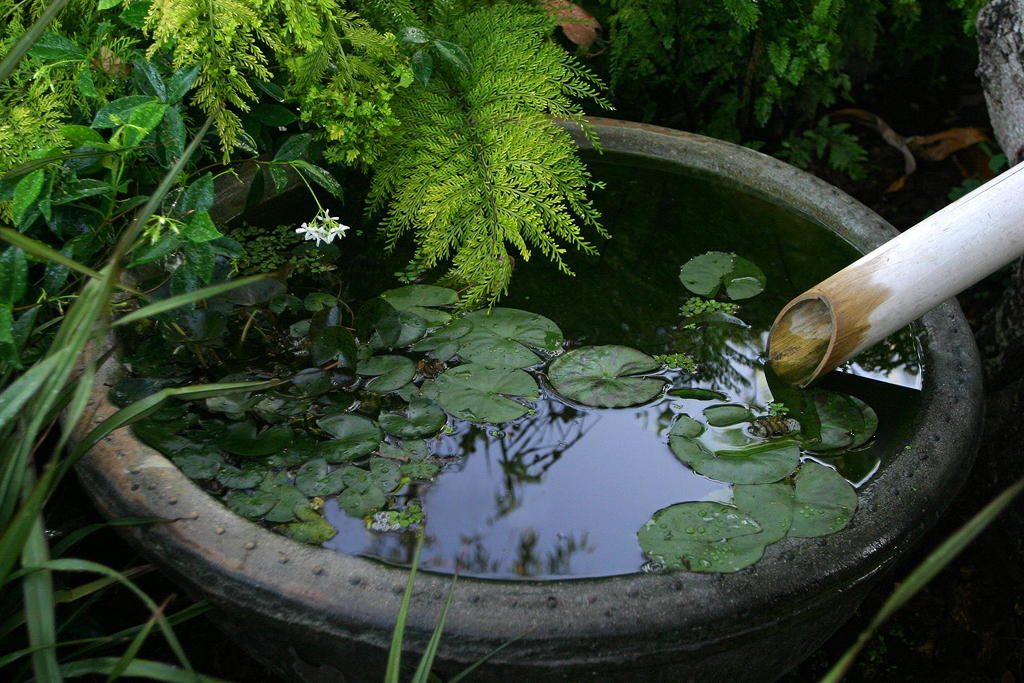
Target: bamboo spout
[{"x": 904, "y": 278}]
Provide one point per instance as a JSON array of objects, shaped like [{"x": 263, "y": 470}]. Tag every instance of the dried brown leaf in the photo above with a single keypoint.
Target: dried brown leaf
[
  {"x": 891, "y": 137},
  {"x": 578, "y": 25},
  {"x": 939, "y": 146}
]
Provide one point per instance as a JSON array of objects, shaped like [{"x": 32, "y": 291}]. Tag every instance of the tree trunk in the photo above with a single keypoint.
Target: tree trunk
[{"x": 1001, "y": 72}]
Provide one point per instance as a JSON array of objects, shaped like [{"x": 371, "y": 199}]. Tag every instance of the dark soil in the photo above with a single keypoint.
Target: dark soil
[{"x": 967, "y": 625}]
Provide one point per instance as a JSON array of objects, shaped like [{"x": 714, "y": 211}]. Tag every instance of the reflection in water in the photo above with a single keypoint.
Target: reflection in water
[{"x": 562, "y": 492}]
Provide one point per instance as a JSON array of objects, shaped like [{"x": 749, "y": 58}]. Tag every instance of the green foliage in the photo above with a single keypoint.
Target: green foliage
[
  {"x": 750, "y": 70},
  {"x": 265, "y": 251},
  {"x": 478, "y": 172},
  {"x": 826, "y": 143}
]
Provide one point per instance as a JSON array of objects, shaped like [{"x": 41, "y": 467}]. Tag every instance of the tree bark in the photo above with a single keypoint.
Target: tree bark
[{"x": 1001, "y": 73}]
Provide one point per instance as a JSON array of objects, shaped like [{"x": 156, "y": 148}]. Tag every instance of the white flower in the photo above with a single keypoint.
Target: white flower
[{"x": 323, "y": 227}]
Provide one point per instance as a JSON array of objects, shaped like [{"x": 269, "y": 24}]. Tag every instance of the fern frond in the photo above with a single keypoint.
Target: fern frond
[{"x": 479, "y": 171}]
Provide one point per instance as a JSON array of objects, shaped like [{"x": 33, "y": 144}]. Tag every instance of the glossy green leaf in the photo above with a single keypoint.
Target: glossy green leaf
[
  {"x": 423, "y": 301},
  {"x": 13, "y": 275},
  {"x": 316, "y": 478},
  {"x": 706, "y": 274},
  {"x": 422, "y": 418},
  {"x": 243, "y": 438},
  {"x": 385, "y": 474},
  {"x": 824, "y": 501},
  {"x": 389, "y": 373},
  {"x": 503, "y": 337},
  {"x": 479, "y": 393},
  {"x": 698, "y": 394},
  {"x": 354, "y": 437},
  {"x": 240, "y": 477},
  {"x": 315, "y": 532},
  {"x": 745, "y": 461},
  {"x": 701, "y": 537},
  {"x": 334, "y": 343},
  {"x": 770, "y": 505},
  {"x": 727, "y": 415},
  {"x": 605, "y": 376},
  {"x": 251, "y": 505},
  {"x": 359, "y": 503}
]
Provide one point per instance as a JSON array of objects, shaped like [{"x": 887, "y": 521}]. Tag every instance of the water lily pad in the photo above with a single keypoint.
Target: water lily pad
[
  {"x": 250, "y": 504},
  {"x": 199, "y": 466},
  {"x": 315, "y": 531},
  {"x": 333, "y": 344},
  {"x": 274, "y": 408},
  {"x": 702, "y": 537},
  {"x": 298, "y": 451},
  {"x": 480, "y": 393},
  {"x": 410, "y": 328},
  {"x": 844, "y": 421},
  {"x": 385, "y": 474},
  {"x": 686, "y": 427},
  {"x": 411, "y": 450},
  {"x": 770, "y": 505},
  {"x": 442, "y": 344},
  {"x": 605, "y": 376},
  {"x": 706, "y": 274},
  {"x": 354, "y": 437},
  {"x": 750, "y": 461},
  {"x": 310, "y": 382},
  {"x": 697, "y": 394},
  {"x": 356, "y": 479},
  {"x": 361, "y": 503},
  {"x": 241, "y": 477},
  {"x": 233, "y": 405},
  {"x": 389, "y": 373},
  {"x": 316, "y": 478},
  {"x": 423, "y": 301},
  {"x": 420, "y": 470},
  {"x": 727, "y": 415},
  {"x": 288, "y": 505},
  {"x": 503, "y": 337},
  {"x": 243, "y": 438},
  {"x": 824, "y": 502},
  {"x": 421, "y": 418}
]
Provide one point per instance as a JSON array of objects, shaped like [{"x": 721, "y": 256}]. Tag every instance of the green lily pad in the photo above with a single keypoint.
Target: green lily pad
[
  {"x": 701, "y": 537},
  {"x": 354, "y": 437},
  {"x": 409, "y": 329},
  {"x": 250, "y": 504},
  {"x": 442, "y": 344},
  {"x": 199, "y": 466},
  {"x": 385, "y": 474},
  {"x": 686, "y": 427},
  {"x": 844, "y": 421},
  {"x": 823, "y": 501},
  {"x": 423, "y": 301},
  {"x": 480, "y": 393},
  {"x": 234, "y": 406},
  {"x": 698, "y": 394},
  {"x": 421, "y": 418},
  {"x": 420, "y": 470},
  {"x": 289, "y": 504},
  {"x": 333, "y": 343},
  {"x": 770, "y": 505},
  {"x": 315, "y": 531},
  {"x": 605, "y": 376},
  {"x": 503, "y": 337},
  {"x": 411, "y": 450},
  {"x": 707, "y": 273},
  {"x": 727, "y": 415},
  {"x": 356, "y": 479},
  {"x": 316, "y": 478},
  {"x": 389, "y": 373},
  {"x": 747, "y": 461},
  {"x": 274, "y": 408},
  {"x": 310, "y": 382},
  {"x": 243, "y": 438},
  {"x": 298, "y": 451},
  {"x": 241, "y": 477},
  {"x": 361, "y": 503}
]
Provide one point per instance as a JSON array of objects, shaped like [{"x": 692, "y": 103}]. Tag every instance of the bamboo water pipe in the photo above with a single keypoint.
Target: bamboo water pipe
[{"x": 899, "y": 281}]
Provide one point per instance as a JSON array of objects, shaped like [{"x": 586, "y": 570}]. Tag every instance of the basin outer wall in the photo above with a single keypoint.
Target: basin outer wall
[{"x": 312, "y": 614}]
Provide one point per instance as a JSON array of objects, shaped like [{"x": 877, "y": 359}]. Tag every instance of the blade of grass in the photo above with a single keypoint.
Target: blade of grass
[
  {"x": 422, "y": 674},
  {"x": 180, "y": 617},
  {"x": 173, "y": 302},
  {"x": 395, "y": 652},
  {"x": 70, "y": 565},
  {"x": 46, "y": 253},
  {"x": 29, "y": 38},
  {"x": 923, "y": 573},
  {"x": 40, "y": 609},
  {"x": 132, "y": 651},
  {"x": 147, "y": 406},
  {"x": 78, "y": 535},
  {"x": 140, "y": 668},
  {"x": 480, "y": 662},
  {"x": 14, "y": 536},
  {"x": 15, "y": 396}
]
